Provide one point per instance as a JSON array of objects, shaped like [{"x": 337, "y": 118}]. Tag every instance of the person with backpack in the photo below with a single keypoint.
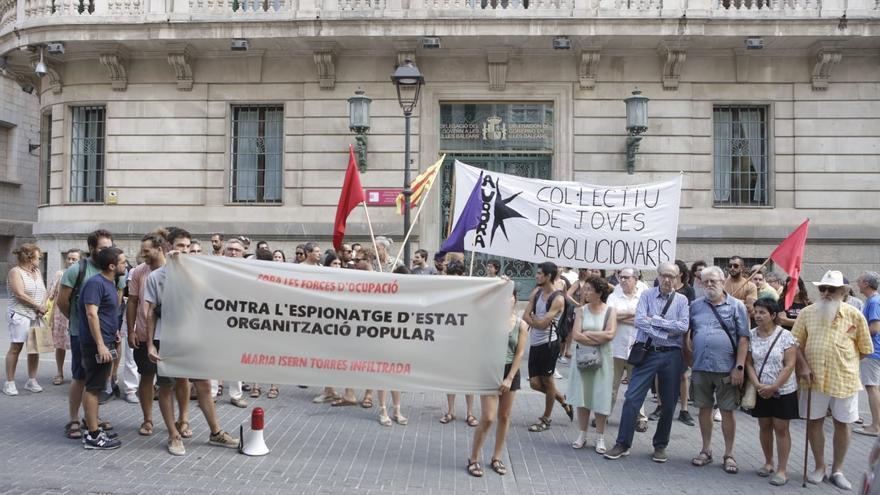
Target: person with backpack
[
  {"x": 68, "y": 303},
  {"x": 542, "y": 314}
]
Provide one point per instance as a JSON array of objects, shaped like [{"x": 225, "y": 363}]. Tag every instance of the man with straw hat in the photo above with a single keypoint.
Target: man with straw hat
[{"x": 832, "y": 338}]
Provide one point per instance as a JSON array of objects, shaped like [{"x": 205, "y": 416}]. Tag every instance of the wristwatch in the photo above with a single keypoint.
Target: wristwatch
[{"x": 739, "y": 367}]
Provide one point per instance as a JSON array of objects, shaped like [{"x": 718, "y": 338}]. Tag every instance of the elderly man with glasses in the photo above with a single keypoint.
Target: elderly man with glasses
[{"x": 832, "y": 339}]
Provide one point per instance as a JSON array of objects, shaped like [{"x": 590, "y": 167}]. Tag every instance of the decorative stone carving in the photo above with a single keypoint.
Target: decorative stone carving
[
  {"x": 674, "y": 55},
  {"x": 826, "y": 59},
  {"x": 181, "y": 61},
  {"x": 589, "y": 68},
  {"x": 325, "y": 60},
  {"x": 497, "y": 61},
  {"x": 116, "y": 63}
]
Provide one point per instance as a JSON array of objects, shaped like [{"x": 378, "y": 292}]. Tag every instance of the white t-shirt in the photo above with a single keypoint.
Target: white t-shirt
[
  {"x": 626, "y": 332},
  {"x": 759, "y": 346}
]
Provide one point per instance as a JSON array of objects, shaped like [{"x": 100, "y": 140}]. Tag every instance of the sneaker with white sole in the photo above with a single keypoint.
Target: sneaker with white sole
[
  {"x": 110, "y": 434},
  {"x": 175, "y": 446},
  {"x": 132, "y": 398},
  {"x": 563, "y": 360},
  {"x": 223, "y": 439},
  {"x": 716, "y": 416},
  {"x": 102, "y": 442},
  {"x": 659, "y": 455},
  {"x": 9, "y": 388},
  {"x": 32, "y": 386},
  {"x": 617, "y": 452}
]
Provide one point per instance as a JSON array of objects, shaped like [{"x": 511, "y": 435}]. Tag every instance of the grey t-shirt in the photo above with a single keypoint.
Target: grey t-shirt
[
  {"x": 536, "y": 335},
  {"x": 153, "y": 294},
  {"x": 424, "y": 270}
]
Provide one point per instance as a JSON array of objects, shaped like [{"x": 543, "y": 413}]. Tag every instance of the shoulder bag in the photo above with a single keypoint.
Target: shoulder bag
[
  {"x": 750, "y": 395},
  {"x": 588, "y": 357}
]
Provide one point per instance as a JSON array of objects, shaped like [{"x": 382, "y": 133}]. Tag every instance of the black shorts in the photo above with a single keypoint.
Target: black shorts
[
  {"x": 162, "y": 381},
  {"x": 542, "y": 359},
  {"x": 782, "y": 407},
  {"x": 95, "y": 373},
  {"x": 76, "y": 367},
  {"x": 142, "y": 360},
  {"x": 516, "y": 378}
]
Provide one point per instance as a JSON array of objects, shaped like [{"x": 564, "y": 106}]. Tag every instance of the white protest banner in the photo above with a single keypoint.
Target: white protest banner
[
  {"x": 570, "y": 223},
  {"x": 260, "y": 321}
]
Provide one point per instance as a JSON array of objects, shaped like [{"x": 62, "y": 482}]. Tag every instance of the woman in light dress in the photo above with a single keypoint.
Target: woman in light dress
[{"x": 595, "y": 325}]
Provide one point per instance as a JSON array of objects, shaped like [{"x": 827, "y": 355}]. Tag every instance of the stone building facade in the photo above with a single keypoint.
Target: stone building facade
[{"x": 154, "y": 120}]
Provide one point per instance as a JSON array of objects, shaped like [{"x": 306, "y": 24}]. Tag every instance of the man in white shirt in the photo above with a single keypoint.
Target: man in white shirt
[{"x": 624, "y": 299}]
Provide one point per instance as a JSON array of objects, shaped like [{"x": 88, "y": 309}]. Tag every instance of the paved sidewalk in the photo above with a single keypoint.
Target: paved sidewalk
[{"x": 319, "y": 449}]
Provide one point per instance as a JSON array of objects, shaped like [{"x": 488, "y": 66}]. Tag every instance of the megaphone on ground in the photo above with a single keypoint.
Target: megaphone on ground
[{"x": 253, "y": 443}]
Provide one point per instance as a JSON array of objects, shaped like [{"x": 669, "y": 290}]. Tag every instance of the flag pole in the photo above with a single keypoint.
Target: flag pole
[
  {"x": 413, "y": 224},
  {"x": 372, "y": 236},
  {"x": 473, "y": 255}
]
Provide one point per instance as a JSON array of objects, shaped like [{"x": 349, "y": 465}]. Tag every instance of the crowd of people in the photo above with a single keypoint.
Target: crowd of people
[{"x": 699, "y": 335}]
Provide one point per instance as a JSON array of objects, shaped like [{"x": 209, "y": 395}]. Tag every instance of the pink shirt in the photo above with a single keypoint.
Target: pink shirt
[{"x": 137, "y": 282}]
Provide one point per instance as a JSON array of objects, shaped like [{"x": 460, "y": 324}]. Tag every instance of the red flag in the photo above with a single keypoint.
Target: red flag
[
  {"x": 351, "y": 196},
  {"x": 788, "y": 255}
]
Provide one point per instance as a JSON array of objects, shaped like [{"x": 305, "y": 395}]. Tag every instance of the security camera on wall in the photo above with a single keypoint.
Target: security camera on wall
[{"x": 41, "y": 69}]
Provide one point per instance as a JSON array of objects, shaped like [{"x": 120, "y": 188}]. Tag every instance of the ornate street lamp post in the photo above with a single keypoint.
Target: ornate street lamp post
[
  {"x": 359, "y": 123},
  {"x": 636, "y": 125},
  {"x": 408, "y": 81}
]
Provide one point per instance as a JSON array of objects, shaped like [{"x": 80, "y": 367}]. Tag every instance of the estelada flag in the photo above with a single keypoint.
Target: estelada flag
[
  {"x": 420, "y": 186},
  {"x": 351, "y": 196},
  {"x": 789, "y": 255}
]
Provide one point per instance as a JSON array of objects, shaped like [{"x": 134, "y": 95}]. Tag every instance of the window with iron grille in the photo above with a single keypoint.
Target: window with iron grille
[
  {"x": 741, "y": 159},
  {"x": 87, "y": 155},
  {"x": 257, "y": 154},
  {"x": 45, "y": 157}
]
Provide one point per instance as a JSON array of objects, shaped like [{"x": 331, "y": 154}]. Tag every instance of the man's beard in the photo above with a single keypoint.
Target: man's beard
[
  {"x": 713, "y": 292},
  {"x": 827, "y": 310}
]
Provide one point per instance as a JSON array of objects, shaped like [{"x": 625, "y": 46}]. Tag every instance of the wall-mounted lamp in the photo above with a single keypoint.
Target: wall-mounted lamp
[
  {"x": 32, "y": 147},
  {"x": 41, "y": 69},
  {"x": 636, "y": 124},
  {"x": 359, "y": 123}
]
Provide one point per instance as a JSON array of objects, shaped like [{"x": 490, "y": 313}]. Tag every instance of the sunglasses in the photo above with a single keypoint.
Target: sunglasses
[
  {"x": 733, "y": 265},
  {"x": 826, "y": 288},
  {"x": 299, "y": 253}
]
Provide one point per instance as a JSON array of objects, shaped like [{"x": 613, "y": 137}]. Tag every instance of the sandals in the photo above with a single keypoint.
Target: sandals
[
  {"x": 72, "y": 430},
  {"x": 541, "y": 425},
  {"x": 343, "y": 402},
  {"x": 446, "y": 419},
  {"x": 384, "y": 420},
  {"x": 146, "y": 429},
  {"x": 498, "y": 467},
  {"x": 399, "y": 419},
  {"x": 641, "y": 426},
  {"x": 474, "y": 469},
  {"x": 730, "y": 466},
  {"x": 569, "y": 411},
  {"x": 273, "y": 393},
  {"x": 183, "y": 429},
  {"x": 255, "y": 391},
  {"x": 702, "y": 459},
  {"x": 58, "y": 380},
  {"x": 367, "y": 403},
  {"x": 472, "y": 421},
  {"x": 765, "y": 472}
]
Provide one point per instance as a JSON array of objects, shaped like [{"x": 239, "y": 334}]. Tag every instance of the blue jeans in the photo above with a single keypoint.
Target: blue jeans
[{"x": 667, "y": 366}]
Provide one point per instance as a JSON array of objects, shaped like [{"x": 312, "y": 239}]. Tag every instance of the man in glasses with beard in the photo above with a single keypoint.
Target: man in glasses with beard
[{"x": 832, "y": 338}]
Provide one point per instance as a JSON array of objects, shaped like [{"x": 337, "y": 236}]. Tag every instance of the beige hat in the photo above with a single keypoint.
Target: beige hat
[{"x": 832, "y": 278}]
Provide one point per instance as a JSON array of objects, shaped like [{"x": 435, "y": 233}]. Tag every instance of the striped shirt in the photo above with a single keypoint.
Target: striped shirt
[{"x": 665, "y": 331}]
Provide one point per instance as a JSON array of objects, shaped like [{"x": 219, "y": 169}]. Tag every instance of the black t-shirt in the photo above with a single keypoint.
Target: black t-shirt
[{"x": 688, "y": 292}]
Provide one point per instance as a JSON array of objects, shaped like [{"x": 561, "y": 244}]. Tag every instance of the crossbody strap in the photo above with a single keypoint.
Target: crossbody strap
[
  {"x": 760, "y": 373},
  {"x": 723, "y": 325}
]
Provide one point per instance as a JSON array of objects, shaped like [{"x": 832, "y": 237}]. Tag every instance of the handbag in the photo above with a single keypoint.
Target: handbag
[
  {"x": 750, "y": 394},
  {"x": 49, "y": 317},
  {"x": 39, "y": 339},
  {"x": 639, "y": 350},
  {"x": 588, "y": 357}
]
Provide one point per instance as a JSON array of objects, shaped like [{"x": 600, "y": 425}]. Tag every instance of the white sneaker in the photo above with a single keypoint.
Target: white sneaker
[
  {"x": 132, "y": 398},
  {"x": 557, "y": 375},
  {"x": 716, "y": 417},
  {"x": 600, "y": 445},
  {"x": 9, "y": 388},
  {"x": 32, "y": 386},
  {"x": 563, "y": 360}
]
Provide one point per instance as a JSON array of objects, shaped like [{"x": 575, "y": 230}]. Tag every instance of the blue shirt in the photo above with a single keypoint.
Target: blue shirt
[
  {"x": 871, "y": 310},
  {"x": 667, "y": 331},
  {"x": 713, "y": 350},
  {"x": 102, "y": 293}
]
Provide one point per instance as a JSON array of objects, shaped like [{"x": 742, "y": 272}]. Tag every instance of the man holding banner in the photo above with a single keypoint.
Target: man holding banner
[{"x": 542, "y": 315}]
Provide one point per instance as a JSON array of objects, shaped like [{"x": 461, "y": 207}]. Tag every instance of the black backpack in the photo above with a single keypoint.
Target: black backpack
[{"x": 563, "y": 326}]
